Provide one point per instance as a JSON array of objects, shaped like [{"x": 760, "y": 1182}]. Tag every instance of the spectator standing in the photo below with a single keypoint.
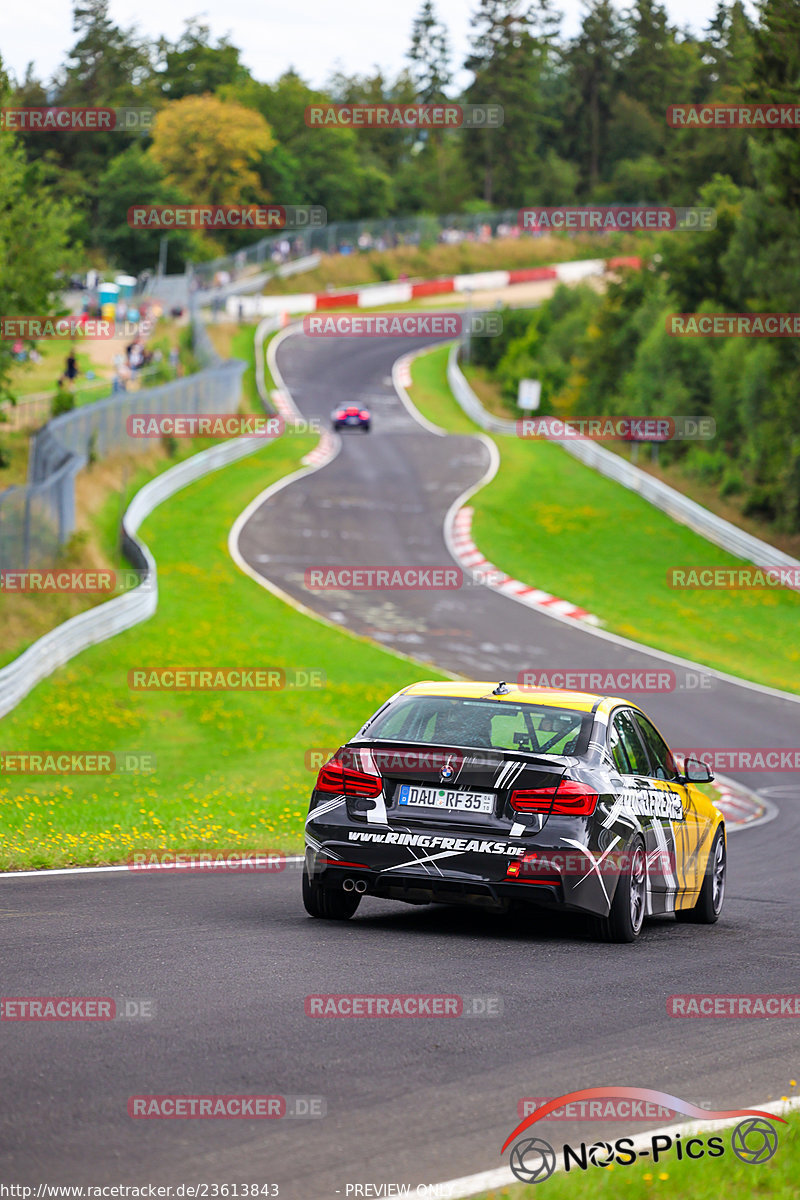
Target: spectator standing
[{"x": 71, "y": 369}]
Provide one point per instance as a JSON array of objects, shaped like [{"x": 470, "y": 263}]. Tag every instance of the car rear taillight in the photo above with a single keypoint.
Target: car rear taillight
[
  {"x": 345, "y": 781},
  {"x": 570, "y": 798},
  {"x": 364, "y": 415}
]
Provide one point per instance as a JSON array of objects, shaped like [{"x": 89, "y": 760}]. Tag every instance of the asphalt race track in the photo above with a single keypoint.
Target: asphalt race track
[{"x": 228, "y": 960}]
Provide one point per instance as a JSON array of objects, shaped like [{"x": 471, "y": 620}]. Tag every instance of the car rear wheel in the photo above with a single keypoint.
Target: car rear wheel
[
  {"x": 626, "y": 916},
  {"x": 328, "y": 903},
  {"x": 708, "y": 906}
]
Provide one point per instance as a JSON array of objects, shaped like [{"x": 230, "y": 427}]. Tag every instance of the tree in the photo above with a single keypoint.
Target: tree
[
  {"x": 107, "y": 65},
  {"x": 35, "y": 241},
  {"x": 211, "y": 149},
  {"x": 431, "y": 76},
  {"x": 728, "y": 46},
  {"x": 429, "y": 54},
  {"x": 775, "y": 80},
  {"x": 128, "y": 177},
  {"x": 511, "y": 46},
  {"x": 694, "y": 263},
  {"x": 331, "y": 166},
  {"x": 192, "y": 66},
  {"x": 593, "y": 58}
]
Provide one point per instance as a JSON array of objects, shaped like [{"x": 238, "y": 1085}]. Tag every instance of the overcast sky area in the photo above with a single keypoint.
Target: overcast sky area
[{"x": 316, "y": 37}]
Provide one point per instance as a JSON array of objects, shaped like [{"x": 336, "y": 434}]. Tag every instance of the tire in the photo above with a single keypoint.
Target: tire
[
  {"x": 327, "y": 903},
  {"x": 626, "y": 916},
  {"x": 708, "y": 906},
  {"x": 366, "y": 428}
]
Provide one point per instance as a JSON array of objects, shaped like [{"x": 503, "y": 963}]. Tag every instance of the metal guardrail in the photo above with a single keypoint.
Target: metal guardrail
[
  {"x": 677, "y": 506},
  {"x": 114, "y": 616}
]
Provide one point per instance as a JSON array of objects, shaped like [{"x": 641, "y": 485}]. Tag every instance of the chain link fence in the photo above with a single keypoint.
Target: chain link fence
[
  {"x": 350, "y": 237},
  {"x": 36, "y": 520}
]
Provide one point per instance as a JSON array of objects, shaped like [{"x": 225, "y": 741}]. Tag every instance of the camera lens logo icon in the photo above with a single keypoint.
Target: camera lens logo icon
[
  {"x": 601, "y": 1154},
  {"x": 754, "y": 1141},
  {"x": 532, "y": 1160}
]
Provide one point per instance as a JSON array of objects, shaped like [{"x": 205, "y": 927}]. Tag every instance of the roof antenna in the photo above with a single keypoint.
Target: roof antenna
[{"x": 502, "y": 689}]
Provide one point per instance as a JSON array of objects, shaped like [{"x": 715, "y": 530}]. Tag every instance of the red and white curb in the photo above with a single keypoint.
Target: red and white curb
[
  {"x": 470, "y": 558},
  {"x": 374, "y": 294},
  {"x": 327, "y": 446},
  {"x": 738, "y": 805},
  {"x": 325, "y": 450},
  {"x": 284, "y": 406},
  {"x": 402, "y": 372}
]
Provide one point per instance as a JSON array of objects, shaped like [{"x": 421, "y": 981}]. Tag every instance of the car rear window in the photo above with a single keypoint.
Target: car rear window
[{"x": 481, "y": 724}]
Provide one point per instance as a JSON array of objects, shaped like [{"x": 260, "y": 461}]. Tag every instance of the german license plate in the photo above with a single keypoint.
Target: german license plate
[{"x": 445, "y": 798}]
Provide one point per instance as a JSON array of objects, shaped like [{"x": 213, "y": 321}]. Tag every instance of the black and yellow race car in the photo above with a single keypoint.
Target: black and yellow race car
[{"x": 484, "y": 794}]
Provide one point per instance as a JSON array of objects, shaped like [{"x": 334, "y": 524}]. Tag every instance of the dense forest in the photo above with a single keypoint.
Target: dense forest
[{"x": 584, "y": 121}]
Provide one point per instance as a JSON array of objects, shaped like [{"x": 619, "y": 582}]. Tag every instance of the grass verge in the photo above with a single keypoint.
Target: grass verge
[
  {"x": 230, "y": 765},
  {"x": 552, "y": 522},
  {"x": 432, "y": 260}
]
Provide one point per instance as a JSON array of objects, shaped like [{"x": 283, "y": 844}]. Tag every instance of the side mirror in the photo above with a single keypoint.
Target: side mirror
[{"x": 695, "y": 771}]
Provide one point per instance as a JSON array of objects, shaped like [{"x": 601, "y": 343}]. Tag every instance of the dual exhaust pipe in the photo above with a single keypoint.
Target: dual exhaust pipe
[{"x": 359, "y": 885}]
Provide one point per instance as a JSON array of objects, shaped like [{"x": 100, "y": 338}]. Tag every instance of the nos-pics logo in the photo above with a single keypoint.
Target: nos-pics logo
[{"x": 532, "y": 1160}]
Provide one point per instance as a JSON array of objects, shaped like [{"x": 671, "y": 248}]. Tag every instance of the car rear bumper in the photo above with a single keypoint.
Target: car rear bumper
[{"x": 468, "y": 878}]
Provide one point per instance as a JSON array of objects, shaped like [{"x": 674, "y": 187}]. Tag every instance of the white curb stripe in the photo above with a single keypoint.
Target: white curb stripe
[{"x": 468, "y": 556}]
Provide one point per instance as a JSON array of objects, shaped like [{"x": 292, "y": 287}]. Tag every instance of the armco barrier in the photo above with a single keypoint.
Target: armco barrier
[
  {"x": 114, "y": 616},
  {"x": 660, "y": 495}
]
